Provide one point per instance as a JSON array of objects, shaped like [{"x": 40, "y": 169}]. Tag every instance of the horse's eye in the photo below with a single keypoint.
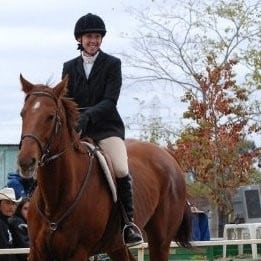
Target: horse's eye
[{"x": 51, "y": 117}]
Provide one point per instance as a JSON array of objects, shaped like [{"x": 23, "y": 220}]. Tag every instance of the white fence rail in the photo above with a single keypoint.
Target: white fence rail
[
  {"x": 252, "y": 242},
  {"x": 14, "y": 251},
  {"x": 140, "y": 248}
]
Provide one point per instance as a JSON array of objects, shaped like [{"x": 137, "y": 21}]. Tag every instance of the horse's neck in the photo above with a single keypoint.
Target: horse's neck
[{"x": 60, "y": 180}]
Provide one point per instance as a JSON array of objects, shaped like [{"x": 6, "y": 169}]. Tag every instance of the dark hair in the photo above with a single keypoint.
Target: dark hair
[{"x": 18, "y": 211}]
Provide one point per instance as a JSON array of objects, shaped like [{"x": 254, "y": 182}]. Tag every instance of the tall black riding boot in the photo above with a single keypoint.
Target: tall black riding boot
[{"x": 131, "y": 232}]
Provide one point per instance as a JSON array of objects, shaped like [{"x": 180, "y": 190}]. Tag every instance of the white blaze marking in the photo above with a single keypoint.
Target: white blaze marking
[{"x": 36, "y": 106}]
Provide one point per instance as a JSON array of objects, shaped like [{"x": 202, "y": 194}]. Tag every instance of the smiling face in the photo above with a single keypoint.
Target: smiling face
[{"x": 91, "y": 42}]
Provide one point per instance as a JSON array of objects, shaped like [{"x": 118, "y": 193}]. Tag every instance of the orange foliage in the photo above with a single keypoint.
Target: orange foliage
[{"x": 211, "y": 149}]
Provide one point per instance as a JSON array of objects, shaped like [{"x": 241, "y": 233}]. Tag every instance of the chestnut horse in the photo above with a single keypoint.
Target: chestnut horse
[{"x": 72, "y": 214}]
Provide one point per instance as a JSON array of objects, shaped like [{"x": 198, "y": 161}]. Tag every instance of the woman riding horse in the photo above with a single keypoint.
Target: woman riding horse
[{"x": 94, "y": 83}]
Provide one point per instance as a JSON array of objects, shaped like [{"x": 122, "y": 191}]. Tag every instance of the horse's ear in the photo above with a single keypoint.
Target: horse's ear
[
  {"x": 26, "y": 86},
  {"x": 61, "y": 88}
]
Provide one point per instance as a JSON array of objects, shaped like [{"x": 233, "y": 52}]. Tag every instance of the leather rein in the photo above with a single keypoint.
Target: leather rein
[{"x": 53, "y": 225}]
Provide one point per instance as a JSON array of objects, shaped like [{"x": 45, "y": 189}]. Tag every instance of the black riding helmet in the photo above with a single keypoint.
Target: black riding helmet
[{"x": 89, "y": 23}]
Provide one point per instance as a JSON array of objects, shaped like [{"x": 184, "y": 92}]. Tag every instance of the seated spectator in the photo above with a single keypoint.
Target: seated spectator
[
  {"x": 23, "y": 187},
  {"x": 18, "y": 227},
  {"x": 8, "y": 204},
  {"x": 200, "y": 229}
]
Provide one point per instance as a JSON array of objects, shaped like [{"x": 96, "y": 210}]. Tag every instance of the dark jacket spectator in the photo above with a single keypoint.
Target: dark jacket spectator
[
  {"x": 7, "y": 209},
  {"x": 18, "y": 227}
]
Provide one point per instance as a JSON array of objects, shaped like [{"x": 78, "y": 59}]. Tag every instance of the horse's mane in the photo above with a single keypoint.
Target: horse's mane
[{"x": 71, "y": 112}]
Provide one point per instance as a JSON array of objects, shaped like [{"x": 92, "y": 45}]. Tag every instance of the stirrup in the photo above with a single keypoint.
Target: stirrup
[{"x": 132, "y": 225}]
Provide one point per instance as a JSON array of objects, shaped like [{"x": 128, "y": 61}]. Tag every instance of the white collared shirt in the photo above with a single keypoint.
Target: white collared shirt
[{"x": 88, "y": 62}]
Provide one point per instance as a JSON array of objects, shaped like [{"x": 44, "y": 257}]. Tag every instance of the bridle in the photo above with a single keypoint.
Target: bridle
[
  {"x": 45, "y": 149},
  {"x": 45, "y": 158}
]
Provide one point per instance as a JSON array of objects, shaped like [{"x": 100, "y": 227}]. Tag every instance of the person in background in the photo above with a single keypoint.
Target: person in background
[
  {"x": 8, "y": 203},
  {"x": 23, "y": 187},
  {"x": 18, "y": 227},
  {"x": 94, "y": 83},
  {"x": 200, "y": 228}
]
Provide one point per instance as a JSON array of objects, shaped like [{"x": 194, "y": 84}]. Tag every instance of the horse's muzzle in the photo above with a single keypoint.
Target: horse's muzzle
[{"x": 27, "y": 166}]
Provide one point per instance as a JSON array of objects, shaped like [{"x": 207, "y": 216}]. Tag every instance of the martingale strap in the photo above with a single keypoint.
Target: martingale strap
[{"x": 53, "y": 225}]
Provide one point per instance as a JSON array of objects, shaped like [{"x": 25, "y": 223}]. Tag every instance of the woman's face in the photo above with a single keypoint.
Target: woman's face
[
  {"x": 7, "y": 207},
  {"x": 24, "y": 210},
  {"x": 91, "y": 42}
]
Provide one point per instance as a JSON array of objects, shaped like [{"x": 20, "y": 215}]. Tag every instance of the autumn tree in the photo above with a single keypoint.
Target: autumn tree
[
  {"x": 211, "y": 146},
  {"x": 170, "y": 48},
  {"x": 174, "y": 38}
]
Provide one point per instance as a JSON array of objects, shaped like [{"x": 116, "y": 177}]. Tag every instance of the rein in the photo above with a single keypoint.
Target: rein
[{"x": 53, "y": 225}]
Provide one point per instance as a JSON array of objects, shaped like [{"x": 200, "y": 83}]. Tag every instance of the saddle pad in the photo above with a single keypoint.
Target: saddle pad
[{"x": 105, "y": 169}]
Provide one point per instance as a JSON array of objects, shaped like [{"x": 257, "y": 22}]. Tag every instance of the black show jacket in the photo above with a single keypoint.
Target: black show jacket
[{"x": 98, "y": 95}]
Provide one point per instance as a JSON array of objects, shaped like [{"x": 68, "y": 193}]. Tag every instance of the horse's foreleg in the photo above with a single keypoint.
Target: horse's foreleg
[
  {"x": 80, "y": 254},
  {"x": 36, "y": 255}
]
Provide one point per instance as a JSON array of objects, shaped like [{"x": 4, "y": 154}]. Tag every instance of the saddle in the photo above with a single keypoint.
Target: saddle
[{"x": 105, "y": 164}]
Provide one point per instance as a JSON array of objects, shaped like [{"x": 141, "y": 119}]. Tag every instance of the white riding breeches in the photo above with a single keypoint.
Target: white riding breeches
[{"x": 116, "y": 149}]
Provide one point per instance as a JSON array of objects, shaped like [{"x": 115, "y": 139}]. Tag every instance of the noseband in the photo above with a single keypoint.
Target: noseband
[{"x": 45, "y": 149}]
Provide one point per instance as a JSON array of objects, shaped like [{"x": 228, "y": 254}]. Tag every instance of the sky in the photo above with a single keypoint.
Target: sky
[{"x": 37, "y": 38}]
